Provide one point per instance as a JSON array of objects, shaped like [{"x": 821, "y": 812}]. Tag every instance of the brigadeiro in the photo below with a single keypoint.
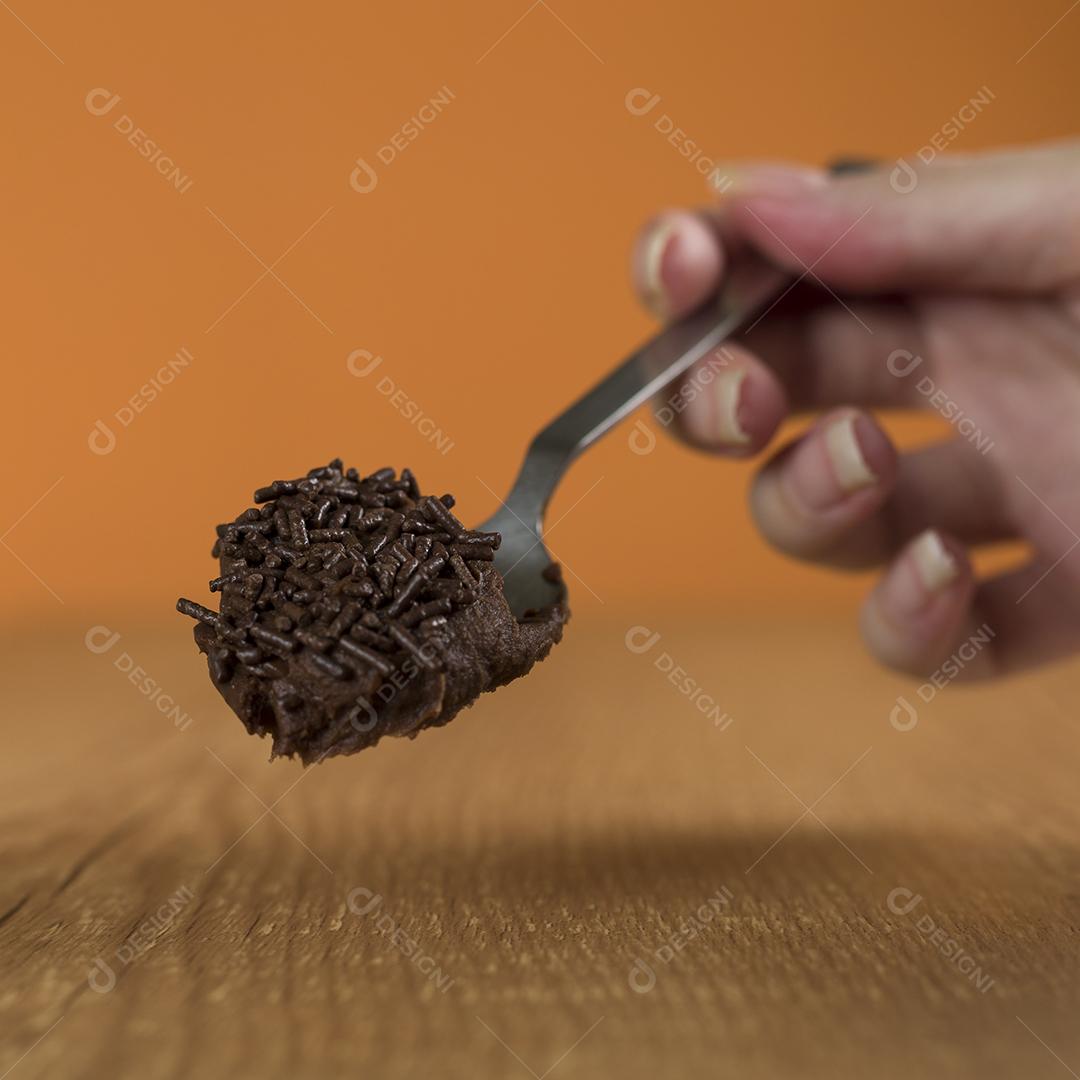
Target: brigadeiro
[{"x": 353, "y": 607}]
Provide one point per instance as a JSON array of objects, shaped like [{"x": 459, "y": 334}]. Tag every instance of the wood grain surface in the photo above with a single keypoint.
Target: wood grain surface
[{"x": 585, "y": 875}]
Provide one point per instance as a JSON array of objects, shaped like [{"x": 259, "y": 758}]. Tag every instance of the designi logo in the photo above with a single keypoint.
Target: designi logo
[
  {"x": 642, "y": 978},
  {"x": 101, "y": 977},
  {"x": 903, "y": 716}
]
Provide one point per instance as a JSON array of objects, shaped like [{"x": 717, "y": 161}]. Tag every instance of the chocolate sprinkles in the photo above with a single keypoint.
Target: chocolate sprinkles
[{"x": 345, "y": 573}]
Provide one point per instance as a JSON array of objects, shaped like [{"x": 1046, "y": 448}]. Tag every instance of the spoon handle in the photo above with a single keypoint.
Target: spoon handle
[{"x": 749, "y": 288}]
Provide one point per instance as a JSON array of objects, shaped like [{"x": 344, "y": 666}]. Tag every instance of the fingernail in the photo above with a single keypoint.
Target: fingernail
[
  {"x": 728, "y": 395},
  {"x": 771, "y": 180},
  {"x": 846, "y": 455},
  {"x": 654, "y": 248},
  {"x": 935, "y": 565},
  {"x": 711, "y": 415}
]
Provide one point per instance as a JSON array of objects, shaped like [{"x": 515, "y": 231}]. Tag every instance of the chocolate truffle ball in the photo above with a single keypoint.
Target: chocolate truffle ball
[{"x": 354, "y": 607}]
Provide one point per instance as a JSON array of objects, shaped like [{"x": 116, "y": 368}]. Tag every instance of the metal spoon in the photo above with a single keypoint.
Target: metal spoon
[
  {"x": 522, "y": 558},
  {"x": 749, "y": 288}
]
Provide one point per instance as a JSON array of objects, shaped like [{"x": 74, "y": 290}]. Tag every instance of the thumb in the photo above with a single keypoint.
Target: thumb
[{"x": 1004, "y": 221}]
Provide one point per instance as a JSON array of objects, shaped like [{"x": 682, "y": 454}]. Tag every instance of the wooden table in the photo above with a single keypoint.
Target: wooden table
[{"x": 589, "y": 874}]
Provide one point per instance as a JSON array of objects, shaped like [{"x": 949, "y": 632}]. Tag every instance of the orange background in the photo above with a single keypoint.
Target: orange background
[{"x": 488, "y": 267}]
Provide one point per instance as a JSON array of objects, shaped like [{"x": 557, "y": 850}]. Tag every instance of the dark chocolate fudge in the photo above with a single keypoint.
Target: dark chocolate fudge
[{"x": 353, "y": 607}]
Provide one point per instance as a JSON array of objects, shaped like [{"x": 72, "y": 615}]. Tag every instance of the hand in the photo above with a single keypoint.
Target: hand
[{"x": 961, "y": 295}]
